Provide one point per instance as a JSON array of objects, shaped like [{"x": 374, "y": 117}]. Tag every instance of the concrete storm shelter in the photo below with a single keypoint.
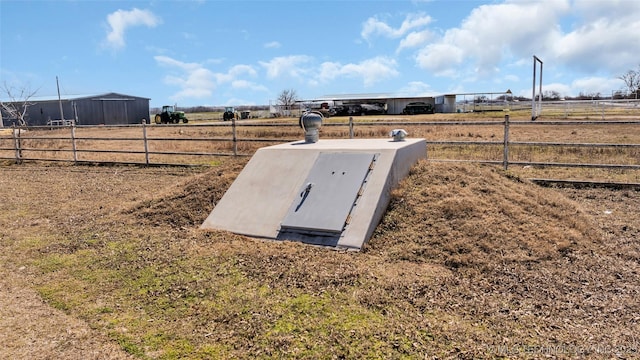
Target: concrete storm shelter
[{"x": 330, "y": 192}]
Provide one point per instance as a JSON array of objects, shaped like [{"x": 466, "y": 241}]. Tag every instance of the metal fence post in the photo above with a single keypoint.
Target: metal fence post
[
  {"x": 505, "y": 156},
  {"x": 350, "y": 127},
  {"x": 16, "y": 144},
  {"x": 73, "y": 143},
  {"x": 146, "y": 145},
  {"x": 234, "y": 138}
]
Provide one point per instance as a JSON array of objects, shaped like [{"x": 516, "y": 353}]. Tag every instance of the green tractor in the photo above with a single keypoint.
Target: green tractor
[
  {"x": 229, "y": 113},
  {"x": 169, "y": 115}
]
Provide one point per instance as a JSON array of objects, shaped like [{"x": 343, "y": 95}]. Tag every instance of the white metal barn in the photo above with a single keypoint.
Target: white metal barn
[{"x": 393, "y": 105}]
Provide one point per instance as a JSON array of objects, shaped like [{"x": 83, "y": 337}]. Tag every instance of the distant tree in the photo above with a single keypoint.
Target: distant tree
[
  {"x": 17, "y": 104},
  {"x": 589, "y": 96},
  {"x": 631, "y": 80},
  {"x": 551, "y": 95},
  {"x": 287, "y": 97}
]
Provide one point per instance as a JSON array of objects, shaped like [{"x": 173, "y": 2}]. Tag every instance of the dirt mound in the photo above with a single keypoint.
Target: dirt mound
[
  {"x": 473, "y": 215},
  {"x": 454, "y": 214},
  {"x": 188, "y": 203}
]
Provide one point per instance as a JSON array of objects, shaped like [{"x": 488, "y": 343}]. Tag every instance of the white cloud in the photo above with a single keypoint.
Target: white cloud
[
  {"x": 415, "y": 39},
  {"x": 238, "y": 101},
  {"x": 303, "y": 68},
  {"x": 238, "y": 70},
  {"x": 583, "y": 35},
  {"x": 512, "y": 78},
  {"x": 442, "y": 59},
  {"x": 492, "y": 32},
  {"x": 234, "y": 73},
  {"x": 601, "y": 44},
  {"x": 286, "y": 66},
  {"x": 593, "y": 84},
  {"x": 602, "y": 38},
  {"x": 194, "y": 80},
  {"x": 417, "y": 88},
  {"x": 120, "y": 20},
  {"x": 622, "y": 10},
  {"x": 562, "y": 89},
  {"x": 370, "y": 71},
  {"x": 329, "y": 71},
  {"x": 272, "y": 45},
  {"x": 248, "y": 85},
  {"x": 374, "y": 26},
  {"x": 165, "y": 60},
  {"x": 197, "y": 82}
]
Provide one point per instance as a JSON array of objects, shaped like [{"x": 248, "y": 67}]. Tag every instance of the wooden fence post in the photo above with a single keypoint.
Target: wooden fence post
[
  {"x": 16, "y": 144},
  {"x": 73, "y": 143},
  {"x": 146, "y": 145},
  {"x": 234, "y": 138},
  {"x": 350, "y": 127},
  {"x": 505, "y": 156}
]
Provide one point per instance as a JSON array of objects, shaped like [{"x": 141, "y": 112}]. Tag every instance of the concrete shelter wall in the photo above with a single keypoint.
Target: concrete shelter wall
[{"x": 258, "y": 200}]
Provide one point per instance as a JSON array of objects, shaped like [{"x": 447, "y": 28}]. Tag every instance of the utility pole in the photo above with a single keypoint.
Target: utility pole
[{"x": 60, "y": 101}]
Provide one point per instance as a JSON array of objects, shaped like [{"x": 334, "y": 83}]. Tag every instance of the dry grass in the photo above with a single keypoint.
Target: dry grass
[
  {"x": 508, "y": 219},
  {"x": 468, "y": 262},
  {"x": 130, "y": 139}
]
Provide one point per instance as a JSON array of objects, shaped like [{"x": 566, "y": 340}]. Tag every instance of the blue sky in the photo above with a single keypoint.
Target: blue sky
[{"x": 246, "y": 52}]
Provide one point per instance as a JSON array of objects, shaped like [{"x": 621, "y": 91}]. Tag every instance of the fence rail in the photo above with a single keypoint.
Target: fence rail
[{"x": 25, "y": 142}]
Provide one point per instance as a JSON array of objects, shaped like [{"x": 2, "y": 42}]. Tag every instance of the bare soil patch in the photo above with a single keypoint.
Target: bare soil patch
[
  {"x": 31, "y": 329},
  {"x": 468, "y": 262}
]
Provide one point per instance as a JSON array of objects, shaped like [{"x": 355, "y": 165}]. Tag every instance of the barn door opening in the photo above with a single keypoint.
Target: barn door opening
[{"x": 114, "y": 112}]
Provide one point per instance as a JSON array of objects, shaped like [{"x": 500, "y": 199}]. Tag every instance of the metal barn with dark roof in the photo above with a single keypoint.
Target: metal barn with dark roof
[{"x": 102, "y": 109}]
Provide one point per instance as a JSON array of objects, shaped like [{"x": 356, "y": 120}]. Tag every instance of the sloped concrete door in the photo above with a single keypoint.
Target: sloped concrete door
[{"x": 329, "y": 194}]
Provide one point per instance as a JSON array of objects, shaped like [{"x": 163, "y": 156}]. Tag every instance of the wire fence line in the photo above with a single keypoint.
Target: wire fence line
[{"x": 173, "y": 145}]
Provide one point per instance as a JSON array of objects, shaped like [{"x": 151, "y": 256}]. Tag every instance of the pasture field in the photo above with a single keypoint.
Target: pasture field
[
  {"x": 469, "y": 262},
  {"x": 107, "y": 262},
  {"x": 207, "y": 142}
]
